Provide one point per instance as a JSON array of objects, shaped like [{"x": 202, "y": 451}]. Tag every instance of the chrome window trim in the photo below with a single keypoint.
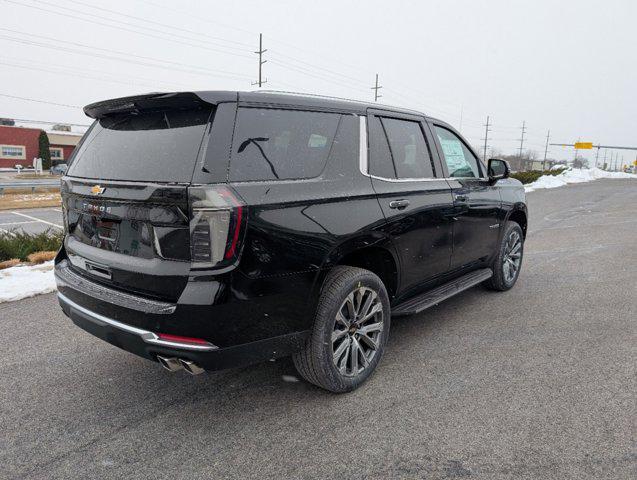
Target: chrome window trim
[
  {"x": 362, "y": 148},
  {"x": 146, "y": 336}
]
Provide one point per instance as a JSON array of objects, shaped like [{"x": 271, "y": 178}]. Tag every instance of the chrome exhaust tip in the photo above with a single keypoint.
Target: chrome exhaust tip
[
  {"x": 171, "y": 364},
  {"x": 191, "y": 367}
]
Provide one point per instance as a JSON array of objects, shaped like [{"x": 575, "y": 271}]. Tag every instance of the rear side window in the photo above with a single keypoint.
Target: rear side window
[
  {"x": 398, "y": 149},
  {"x": 408, "y": 148},
  {"x": 459, "y": 159},
  {"x": 147, "y": 146},
  {"x": 272, "y": 144}
]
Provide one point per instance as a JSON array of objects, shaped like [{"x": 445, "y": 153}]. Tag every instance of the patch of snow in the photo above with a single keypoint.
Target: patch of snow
[
  {"x": 574, "y": 175},
  {"x": 559, "y": 167},
  {"x": 26, "y": 281}
]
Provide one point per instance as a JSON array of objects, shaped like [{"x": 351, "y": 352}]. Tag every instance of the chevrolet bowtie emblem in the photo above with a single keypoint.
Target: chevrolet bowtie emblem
[{"x": 97, "y": 190}]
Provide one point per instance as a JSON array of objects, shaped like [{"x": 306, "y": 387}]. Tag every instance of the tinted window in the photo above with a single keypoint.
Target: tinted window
[
  {"x": 148, "y": 146},
  {"x": 460, "y": 161},
  {"x": 346, "y": 147},
  {"x": 281, "y": 144},
  {"x": 380, "y": 160},
  {"x": 408, "y": 148}
]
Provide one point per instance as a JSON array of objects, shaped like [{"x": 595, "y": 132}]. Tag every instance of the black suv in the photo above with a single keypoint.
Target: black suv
[{"x": 213, "y": 229}]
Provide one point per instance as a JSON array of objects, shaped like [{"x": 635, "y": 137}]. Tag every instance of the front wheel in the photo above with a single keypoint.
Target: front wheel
[
  {"x": 350, "y": 331},
  {"x": 508, "y": 260}
]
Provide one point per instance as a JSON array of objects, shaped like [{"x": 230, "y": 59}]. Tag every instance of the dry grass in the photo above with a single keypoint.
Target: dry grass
[
  {"x": 25, "y": 199},
  {"x": 31, "y": 176},
  {"x": 9, "y": 263},
  {"x": 41, "y": 257}
]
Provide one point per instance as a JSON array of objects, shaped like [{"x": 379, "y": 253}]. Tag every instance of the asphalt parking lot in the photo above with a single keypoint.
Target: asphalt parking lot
[
  {"x": 32, "y": 220},
  {"x": 539, "y": 382}
]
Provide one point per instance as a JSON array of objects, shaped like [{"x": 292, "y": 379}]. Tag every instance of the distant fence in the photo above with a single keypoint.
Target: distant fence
[{"x": 53, "y": 183}]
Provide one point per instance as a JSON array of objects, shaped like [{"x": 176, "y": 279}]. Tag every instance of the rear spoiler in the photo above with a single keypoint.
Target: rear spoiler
[{"x": 154, "y": 101}]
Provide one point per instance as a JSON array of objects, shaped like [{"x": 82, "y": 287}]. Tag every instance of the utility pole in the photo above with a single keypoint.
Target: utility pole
[
  {"x": 486, "y": 138},
  {"x": 376, "y": 87},
  {"x": 597, "y": 156},
  {"x": 260, "y": 52},
  {"x": 522, "y": 141},
  {"x": 605, "y": 158},
  {"x": 546, "y": 149}
]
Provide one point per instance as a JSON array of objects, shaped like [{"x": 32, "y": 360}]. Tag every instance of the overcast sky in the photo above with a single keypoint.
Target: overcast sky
[{"x": 568, "y": 66}]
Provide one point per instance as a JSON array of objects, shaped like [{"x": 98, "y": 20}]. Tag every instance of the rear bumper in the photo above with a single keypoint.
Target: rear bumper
[{"x": 147, "y": 344}]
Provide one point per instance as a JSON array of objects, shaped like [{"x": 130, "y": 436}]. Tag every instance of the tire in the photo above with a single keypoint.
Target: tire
[
  {"x": 345, "y": 294},
  {"x": 505, "y": 261}
]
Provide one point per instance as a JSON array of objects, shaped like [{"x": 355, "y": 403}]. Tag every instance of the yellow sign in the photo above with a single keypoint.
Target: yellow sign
[
  {"x": 584, "y": 145},
  {"x": 635, "y": 163}
]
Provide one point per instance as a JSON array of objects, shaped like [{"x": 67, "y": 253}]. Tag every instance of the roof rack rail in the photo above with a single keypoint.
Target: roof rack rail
[
  {"x": 331, "y": 97},
  {"x": 301, "y": 94}
]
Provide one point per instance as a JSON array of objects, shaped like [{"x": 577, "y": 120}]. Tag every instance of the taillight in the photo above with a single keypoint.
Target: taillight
[{"x": 216, "y": 226}]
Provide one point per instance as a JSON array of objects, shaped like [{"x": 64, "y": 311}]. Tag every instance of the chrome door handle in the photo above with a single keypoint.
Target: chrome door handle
[
  {"x": 460, "y": 198},
  {"x": 399, "y": 204}
]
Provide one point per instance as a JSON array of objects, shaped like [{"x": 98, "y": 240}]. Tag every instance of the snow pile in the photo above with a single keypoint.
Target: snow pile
[
  {"x": 26, "y": 281},
  {"x": 574, "y": 175}
]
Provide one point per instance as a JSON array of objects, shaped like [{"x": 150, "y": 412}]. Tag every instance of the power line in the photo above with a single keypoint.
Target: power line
[
  {"x": 309, "y": 73},
  {"x": 151, "y": 35},
  {"x": 38, "y": 101},
  {"x": 108, "y": 57},
  {"x": 158, "y": 23},
  {"x": 278, "y": 54},
  {"x": 310, "y": 70},
  {"x": 117, "y": 52},
  {"x": 160, "y": 37},
  {"x": 202, "y": 19},
  {"x": 75, "y": 74},
  {"x": 317, "y": 67},
  {"x": 72, "y": 70},
  {"x": 162, "y": 33}
]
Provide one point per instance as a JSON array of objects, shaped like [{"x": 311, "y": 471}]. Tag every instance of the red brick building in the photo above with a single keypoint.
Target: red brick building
[{"x": 20, "y": 145}]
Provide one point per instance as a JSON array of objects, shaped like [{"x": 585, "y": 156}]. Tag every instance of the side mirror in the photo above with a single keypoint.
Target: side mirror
[{"x": 498, "y": 169}]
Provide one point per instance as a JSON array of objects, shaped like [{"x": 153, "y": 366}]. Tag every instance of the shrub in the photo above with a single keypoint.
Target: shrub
[
  {"x": 527, "y": 177},
  {"x": 41, "y": 257},
  {"x": 533, "y": 175},
  {"x": 19, "y": 244},
  {"x": 9, "y": 263},
  {"x": 44, "y": 150}
]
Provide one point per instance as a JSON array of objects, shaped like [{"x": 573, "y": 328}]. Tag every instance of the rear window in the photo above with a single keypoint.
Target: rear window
[
  {"x": 148, "y": 146},
  {"x": 272, "y": 144}
]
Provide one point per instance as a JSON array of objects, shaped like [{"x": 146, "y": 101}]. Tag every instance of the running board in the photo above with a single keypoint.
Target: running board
[{"x": 443, "y": 292}]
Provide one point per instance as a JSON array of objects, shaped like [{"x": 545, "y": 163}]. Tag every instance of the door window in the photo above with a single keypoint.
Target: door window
[
  {"x": 461, "y": 162},
  {"x": 398, "y": 149},
  {"x": 380, "y": 161}
]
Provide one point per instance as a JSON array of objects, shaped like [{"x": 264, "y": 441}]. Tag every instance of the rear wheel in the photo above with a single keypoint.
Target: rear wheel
[
  {"x": 508, "y": 261},
  {"x": 349, "y": 333}
]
